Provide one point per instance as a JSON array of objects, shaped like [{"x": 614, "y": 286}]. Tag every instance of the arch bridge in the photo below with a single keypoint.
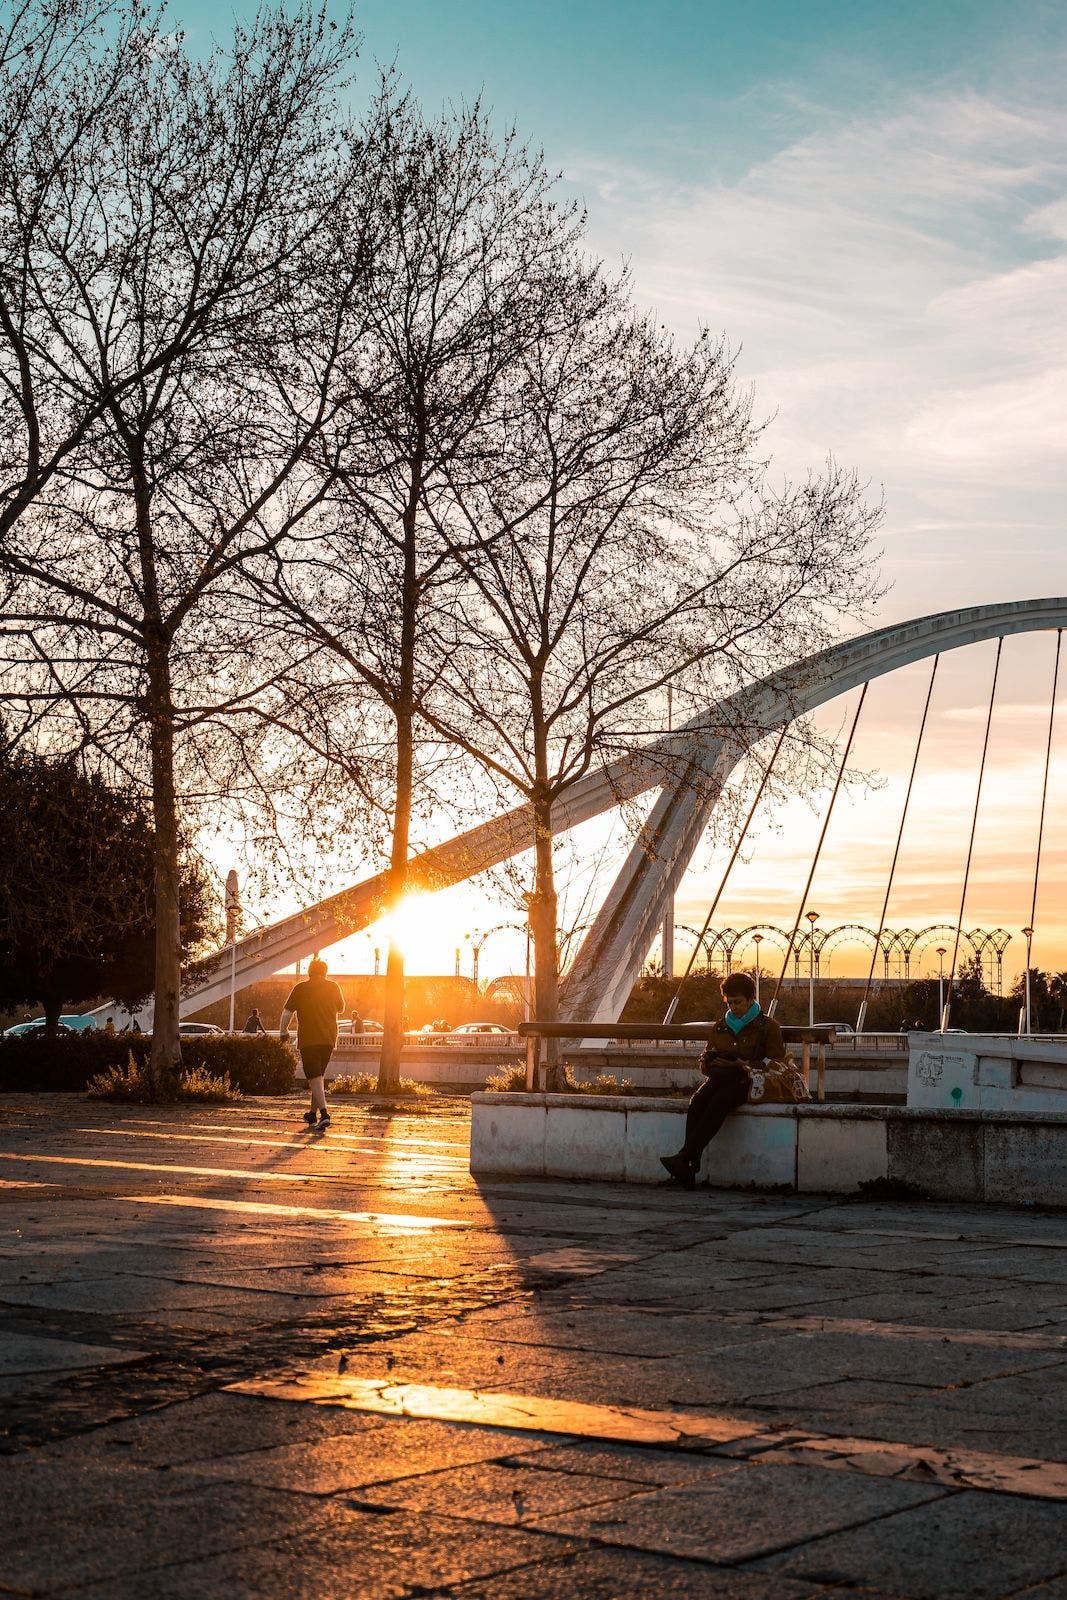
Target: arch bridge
[{"x": 703, "y": 751}]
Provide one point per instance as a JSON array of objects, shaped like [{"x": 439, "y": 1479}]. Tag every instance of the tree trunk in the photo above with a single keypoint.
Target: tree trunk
[
  {"x": 545, "y": 930},
  {"x": 393, "y": 1014},
  {"x": 404, "y": 711},
  {"x": 165, "y": 1059}
]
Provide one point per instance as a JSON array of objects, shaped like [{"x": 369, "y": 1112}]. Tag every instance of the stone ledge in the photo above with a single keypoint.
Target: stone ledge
[{"x": 952, "y": 1155}]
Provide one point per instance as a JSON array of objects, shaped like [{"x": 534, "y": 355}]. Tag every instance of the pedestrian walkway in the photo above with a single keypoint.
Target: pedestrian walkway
[{"x": 237, "y": 1359}]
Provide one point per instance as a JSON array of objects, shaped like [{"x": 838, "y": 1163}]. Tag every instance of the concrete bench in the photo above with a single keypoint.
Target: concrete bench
[{"x": 957, "y": 1155}]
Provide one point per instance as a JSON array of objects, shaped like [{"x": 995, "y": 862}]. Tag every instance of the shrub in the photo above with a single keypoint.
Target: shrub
[
  {"x": 509, "y": 1080},
  {"x": 512, "y": 1080},
  {"x": 254, "y": 1063},
  {"x": 367, "y": 1083},
  {"x": 130, "y": 1083},
  {"x": 603, "y": 1083}
]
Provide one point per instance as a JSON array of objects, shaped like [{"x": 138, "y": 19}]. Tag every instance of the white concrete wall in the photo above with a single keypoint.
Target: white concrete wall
[
  {"x": 986, "y": 1072},
  {"x": 958, "y": 1155}
]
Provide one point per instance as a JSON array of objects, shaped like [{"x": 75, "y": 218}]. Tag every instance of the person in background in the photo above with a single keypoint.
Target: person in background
[
  {"x": 109, "y": 1028},
  {"x": 316, "y": 1004},
  {"x": 254, "y": 1023},
  {"x": 357, "y": 1023}
]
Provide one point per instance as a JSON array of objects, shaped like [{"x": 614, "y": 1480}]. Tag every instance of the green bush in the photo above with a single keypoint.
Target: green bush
[{"x": 253, "y": 1063}]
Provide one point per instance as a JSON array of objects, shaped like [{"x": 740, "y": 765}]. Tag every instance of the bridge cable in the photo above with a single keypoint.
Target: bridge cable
[
  {"x": 970, "y": 848},
  {"x": 818, "y": 851},
  {"x": 672, "y": 1008},
  {"x": 861, "y": 1019},
  {"x": 1029, "y": 929}
]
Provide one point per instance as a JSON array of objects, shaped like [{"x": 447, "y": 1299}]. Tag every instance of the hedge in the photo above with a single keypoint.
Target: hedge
[{"x": 254, "y": 1063}]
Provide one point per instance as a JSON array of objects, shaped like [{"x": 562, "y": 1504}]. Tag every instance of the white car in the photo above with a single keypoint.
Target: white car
[
  {"x": 475, "y": 1033},
  {"x": 195, "y": 1030}
]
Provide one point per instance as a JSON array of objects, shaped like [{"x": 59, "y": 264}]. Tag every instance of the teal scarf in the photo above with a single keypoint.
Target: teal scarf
[{"x": 735, "y": 1024}]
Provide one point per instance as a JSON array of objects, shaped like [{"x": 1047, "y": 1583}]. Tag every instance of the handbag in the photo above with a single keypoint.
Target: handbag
[
  {"x": 773, "y": 1082},
  {"x": 777, "y": 1083}
]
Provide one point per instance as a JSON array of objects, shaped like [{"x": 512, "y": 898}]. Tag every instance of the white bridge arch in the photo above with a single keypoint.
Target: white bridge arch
[{"x": 705, "y": 751}]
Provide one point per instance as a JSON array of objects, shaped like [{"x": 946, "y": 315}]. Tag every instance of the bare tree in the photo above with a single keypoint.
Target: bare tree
[
  {"x": 463, "y": 281},
  {"x": 626, "y": 542},
  {"x": 171, "y": 321}
]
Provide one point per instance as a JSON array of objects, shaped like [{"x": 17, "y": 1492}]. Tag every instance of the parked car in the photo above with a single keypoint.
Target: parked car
[
  {"x": 194, "y": 1030},
  {"x": 474, "y": 1033},
  {"x": 69, "y": 1024}
]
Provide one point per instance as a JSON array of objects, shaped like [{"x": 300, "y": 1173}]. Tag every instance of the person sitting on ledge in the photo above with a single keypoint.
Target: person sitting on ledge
[{"x": 738, "y": 1059}]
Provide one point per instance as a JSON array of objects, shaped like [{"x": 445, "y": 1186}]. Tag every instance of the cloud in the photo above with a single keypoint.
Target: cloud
[{"x": 898, "y": 284}]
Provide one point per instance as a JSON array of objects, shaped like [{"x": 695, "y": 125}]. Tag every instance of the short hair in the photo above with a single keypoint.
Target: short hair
[
  {"x": 317, "y": 969},
  {"x": 739, "y": 983}
]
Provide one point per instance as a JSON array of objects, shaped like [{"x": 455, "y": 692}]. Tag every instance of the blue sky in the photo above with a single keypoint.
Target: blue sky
[{"x": 870, "y": 200}]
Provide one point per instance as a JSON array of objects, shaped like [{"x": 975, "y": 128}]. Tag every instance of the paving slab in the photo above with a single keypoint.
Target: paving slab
[
  {"x": 742, "y": 1513},
  {"x": 143, "y": 1526},
  {"x": 615, "y": 1575},
  {"x": 508, "y": 1493},
  {"x": 968, "y": 1546},
  {"x": 383, "y": 1450},
  {"x": 359, "y": 1556},
  {"x": 214, "y": 1425},
  {"x": 23, "y": 1353}
]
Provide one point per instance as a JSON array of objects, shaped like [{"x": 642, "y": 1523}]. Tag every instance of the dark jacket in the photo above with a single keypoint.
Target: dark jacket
[{"x": 759, "y": 1040}]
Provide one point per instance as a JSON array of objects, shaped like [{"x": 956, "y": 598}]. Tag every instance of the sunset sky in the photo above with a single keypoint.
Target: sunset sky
[{"x": 871, "y": 202}]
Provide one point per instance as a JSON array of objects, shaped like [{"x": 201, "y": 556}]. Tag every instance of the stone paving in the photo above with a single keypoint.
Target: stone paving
[{"x": 239, "y": 1360}]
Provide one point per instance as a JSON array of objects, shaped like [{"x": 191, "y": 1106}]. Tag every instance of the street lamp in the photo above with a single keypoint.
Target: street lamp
[
  {"x": 757, "y": 940},
  {"x": 1029, "y": 933},
  {"x": 941, "y": 980},
  {"x": 812, "y": 918}
]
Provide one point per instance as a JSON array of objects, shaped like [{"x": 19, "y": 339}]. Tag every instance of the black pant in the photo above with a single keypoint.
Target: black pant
[
  {"x": 725, "y": 1089},
  {"x": 315, "y": 1058}
]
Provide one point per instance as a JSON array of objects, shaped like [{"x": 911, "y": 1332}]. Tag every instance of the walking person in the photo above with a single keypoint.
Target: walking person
[
  {"x": 744, "y": 1061},
  {"x": 254, "y": 1023},
  {"x": 316, "y": 1004}
]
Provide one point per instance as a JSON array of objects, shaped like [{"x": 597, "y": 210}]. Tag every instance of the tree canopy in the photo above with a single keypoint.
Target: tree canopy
[{"x": 77, "y": 906}]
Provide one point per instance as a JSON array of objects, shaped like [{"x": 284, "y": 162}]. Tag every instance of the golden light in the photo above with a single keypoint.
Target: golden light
[{"x": 413, "y": 925}]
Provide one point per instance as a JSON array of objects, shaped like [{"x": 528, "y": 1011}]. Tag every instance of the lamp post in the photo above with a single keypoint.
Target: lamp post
[
  {"x": 1029, "y": 934},
  {"x": 941, "y": 980},
  {"x": 757, "y": 940},
  {"x": 812, "y": 918},
  {"x": 377, "y": 961}
]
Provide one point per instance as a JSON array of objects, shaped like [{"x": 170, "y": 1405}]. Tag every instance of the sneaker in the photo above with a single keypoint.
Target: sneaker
[
  {"x": 680, "y": 1170},
  {"x": 309, "y": 1118},
  {"x": 324, "y": 1119}
]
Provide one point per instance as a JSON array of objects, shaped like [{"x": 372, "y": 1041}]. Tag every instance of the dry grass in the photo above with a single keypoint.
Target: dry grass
[
  {"x": 367, "y": 1083},
  {"x": 132, "y": 1084}
]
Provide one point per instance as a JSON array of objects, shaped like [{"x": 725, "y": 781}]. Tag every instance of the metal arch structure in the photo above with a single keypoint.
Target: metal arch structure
[
  {"x": 610, "y": 959},
  {"x": 689, "y": 766},
  {"x": 701, "y": 941}
]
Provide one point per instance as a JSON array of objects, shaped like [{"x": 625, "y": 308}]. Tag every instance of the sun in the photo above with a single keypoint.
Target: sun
[{"x": 413, "y": 925}]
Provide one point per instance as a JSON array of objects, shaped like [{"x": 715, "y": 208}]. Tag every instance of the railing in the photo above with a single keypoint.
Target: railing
[
  {"x": 455, "y": 1040},
  {"x": 536, "y": 1033}
]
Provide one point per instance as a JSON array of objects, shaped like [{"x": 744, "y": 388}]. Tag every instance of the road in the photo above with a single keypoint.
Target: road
[{"x": 239, "y": 1360}]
